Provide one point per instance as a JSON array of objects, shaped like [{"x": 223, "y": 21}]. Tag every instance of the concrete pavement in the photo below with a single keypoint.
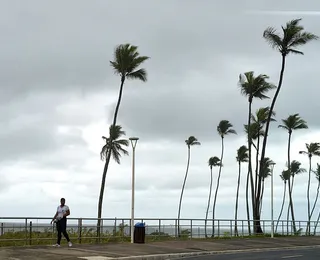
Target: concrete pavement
[{"x": 157, "y": 250}]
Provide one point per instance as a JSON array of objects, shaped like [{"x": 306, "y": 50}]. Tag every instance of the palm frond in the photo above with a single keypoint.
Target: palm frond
[{"x": 140, "y": 74}]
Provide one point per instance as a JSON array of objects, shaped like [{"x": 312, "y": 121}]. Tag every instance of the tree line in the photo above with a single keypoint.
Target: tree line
[{"x": 286, "y": 41}]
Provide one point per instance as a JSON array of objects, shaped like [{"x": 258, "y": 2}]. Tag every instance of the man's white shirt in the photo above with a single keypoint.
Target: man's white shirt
[{"x": 61, "y": 211}]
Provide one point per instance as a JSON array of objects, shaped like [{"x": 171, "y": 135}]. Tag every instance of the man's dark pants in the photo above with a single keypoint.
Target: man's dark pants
[{"x": 62, "y": 228}]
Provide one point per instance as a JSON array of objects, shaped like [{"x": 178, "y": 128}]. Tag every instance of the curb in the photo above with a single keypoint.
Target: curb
[{"x": 204, "y": 253}]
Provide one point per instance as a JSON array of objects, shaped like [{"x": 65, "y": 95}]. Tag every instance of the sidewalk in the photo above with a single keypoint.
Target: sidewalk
[{"x": 154, "y": 250}]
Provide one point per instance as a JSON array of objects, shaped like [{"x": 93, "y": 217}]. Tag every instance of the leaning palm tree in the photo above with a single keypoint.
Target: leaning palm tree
[
  {"x": 213, "y": 162},
  {"x": 224, "y": 128},
  {"x": 114, "y": 144},
  {"x": 253, "y": 87},
  {"x": 293, "y": 36},
  {"x": 317, "y": 174},
  {"x": 285, "y": 176},
  {"x": 291, "y": 123},
  {"x": 312, "y": 149},
  {"x": 191, "y": 141},
  {"x": 242, "y": 156},
  {"x": 125, "y": 64}
]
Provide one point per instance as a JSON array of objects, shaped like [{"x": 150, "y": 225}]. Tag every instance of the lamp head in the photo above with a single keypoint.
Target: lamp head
[{"x": 134, "y": 138}]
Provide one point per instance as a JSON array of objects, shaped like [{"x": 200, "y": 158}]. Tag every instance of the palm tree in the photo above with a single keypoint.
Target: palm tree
[
  {"x": 292, "y": 122},
  {"x": 295, "y": 169},
  {"x": 317, "y": 173},
  {"x": 114, "y": 145},
  {"x": 125, "y": 64},
  {"x": 285, "y": 176},
  {"x": 191, "y": 141},
  {"x": 224, "y": 128},
  {"x": 312, "y": 149},
  {"x": 242, "y": 156},
  {"x": 213, "y": 162},
  {"x": 259, "y": 119},
  {"x": 293, "y": 36},
  {"x": 253, "y": 87}
]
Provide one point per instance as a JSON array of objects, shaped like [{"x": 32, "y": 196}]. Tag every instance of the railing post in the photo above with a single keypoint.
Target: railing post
[
  {"x": 79, "y": 230},
  {"x": 175, "y": 228},
  {"x": 26, "y": 231},
  {"x": 242, "y": 228},
  {"x": 191, "y": 226},
  {"x": 30, "y": 233},
  {"x": 230, "y": 228},
  {"x": 159, "y": 224},
  {"x": 218, "y": 227},
  {"x": 115, "y": 227},
  {"x": 2, "y": 229}
]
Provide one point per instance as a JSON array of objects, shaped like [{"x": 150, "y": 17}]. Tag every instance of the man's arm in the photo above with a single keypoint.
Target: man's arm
[{"x": 54, "y": 217}]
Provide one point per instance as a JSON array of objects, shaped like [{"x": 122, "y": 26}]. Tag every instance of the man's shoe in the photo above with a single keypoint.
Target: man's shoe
[
  {"x": 56, "y": 245},
  {"x": 70, "y": 244}
]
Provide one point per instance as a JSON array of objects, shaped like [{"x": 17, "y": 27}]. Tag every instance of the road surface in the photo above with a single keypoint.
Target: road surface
[{"x": 292, "y": 254}]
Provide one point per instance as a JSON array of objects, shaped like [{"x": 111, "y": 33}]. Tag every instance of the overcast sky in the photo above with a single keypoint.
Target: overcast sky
[{"x": 58, "y": 93}]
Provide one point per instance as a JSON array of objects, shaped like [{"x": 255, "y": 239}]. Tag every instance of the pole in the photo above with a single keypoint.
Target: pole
[
  {"x": 132, "y": 194},
  {"x": 134, "y": 141},
  {"x": 272, "y": 223}
]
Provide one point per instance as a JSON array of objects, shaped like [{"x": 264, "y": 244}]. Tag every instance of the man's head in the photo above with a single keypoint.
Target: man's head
[{"x": 62, "y": 201}]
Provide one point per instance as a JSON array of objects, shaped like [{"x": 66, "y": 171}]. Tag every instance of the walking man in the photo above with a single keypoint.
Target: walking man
[{"x": 60, "y": 218}]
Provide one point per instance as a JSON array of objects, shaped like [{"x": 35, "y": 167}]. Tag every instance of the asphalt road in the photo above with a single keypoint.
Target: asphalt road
[{"x": 299, "y": 254}]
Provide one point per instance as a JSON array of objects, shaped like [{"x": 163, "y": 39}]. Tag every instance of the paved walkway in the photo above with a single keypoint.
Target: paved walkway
[{"x": 156, "y": 249}]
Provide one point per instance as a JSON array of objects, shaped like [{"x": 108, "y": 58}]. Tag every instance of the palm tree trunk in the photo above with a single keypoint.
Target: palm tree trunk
[
  {"x": 106, "y": 166},
  {"x": 290, "y": 188},
  {"x": 308, "y": 198},
  {"x": 262, "y": 192},
  {"x": 257, "y": 163},
  {"x": 250, "y": 164},
  {"x": 247, "y": 203},
  {"x": 236, "y": 209},
  {"x": 182, "y": 190},
  {"x": 217, "y": 188},
  {"x": 264, "y": 145},
  {"x": 315, "y": 227},
  {"x": 315, "y": 201},
  {"x": 103, "y": 181},
  {"x": 209, "y": 199},
  {"x": 282, "y": 205}
]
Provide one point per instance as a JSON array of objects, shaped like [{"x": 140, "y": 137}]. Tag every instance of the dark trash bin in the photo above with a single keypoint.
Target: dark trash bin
[{"x": 139, "y": 233}]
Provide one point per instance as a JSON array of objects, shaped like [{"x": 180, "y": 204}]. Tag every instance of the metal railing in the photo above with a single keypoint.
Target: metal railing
[{"x": 37, "y": 231}]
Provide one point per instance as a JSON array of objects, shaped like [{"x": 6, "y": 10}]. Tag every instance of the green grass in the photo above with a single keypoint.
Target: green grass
[{"x": 88, "y": 236}]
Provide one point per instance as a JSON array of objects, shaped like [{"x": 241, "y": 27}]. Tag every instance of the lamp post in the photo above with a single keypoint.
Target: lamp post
[
  {"x": 272, "y": 224},
  {"x": 133, "y": 141}
]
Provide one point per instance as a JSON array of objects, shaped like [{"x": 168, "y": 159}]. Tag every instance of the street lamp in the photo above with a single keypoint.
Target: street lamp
[
  {"x": 272, "y": 224},
  {"x": 133, "y": 141}
]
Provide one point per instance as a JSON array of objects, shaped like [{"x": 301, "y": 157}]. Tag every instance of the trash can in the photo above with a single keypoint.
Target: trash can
[{"x": 139, "y": 233}]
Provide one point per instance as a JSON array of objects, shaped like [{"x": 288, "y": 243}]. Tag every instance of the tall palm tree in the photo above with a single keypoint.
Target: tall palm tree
[
  {"x": 125, "y": 64},
  {"x": 293, "y": 36},
  {"x": 253, "y": 87},
  {"x": 295, "y": 169},
  {"x": 224, "y": 128},
  {"x": 312, "y": 149},
  {"x": 291, "y": 123},
  {"x": 285, "y": 176},
  {"x": 242, "y": 156},
  {"x": 191, "y": 141},
  {"x": 317, "y": 174},
  {"x": 114, "y": 144},
  {"x": 213, "y": 162}
]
